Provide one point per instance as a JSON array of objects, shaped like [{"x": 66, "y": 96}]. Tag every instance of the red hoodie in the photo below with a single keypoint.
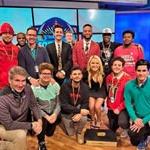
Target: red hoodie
[
  {"x": 8, "y": 59},
  {"x": 119, "y": 84}
]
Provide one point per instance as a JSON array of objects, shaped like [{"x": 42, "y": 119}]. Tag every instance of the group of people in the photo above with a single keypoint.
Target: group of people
[{"x": 65, "y": 83}]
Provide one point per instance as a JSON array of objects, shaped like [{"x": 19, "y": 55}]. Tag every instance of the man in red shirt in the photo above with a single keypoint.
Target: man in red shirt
[
  {"x": 115, "y": 82},
  {"x": 8, "y": 53},
  {"x": 130, "y": 52},
  {"x": 84, "y": 49}
]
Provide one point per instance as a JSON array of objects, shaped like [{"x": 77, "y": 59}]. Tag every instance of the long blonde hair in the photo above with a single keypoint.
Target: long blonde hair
[{"x": 99, "y": 73}]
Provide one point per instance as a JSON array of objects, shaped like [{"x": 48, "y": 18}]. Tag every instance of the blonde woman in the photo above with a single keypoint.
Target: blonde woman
[{"x": 97, "y": 90}]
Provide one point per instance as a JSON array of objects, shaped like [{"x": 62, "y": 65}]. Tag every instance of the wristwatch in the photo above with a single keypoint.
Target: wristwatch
[
  {"x": 29, "y": 78},
  {"x": 63, "y": 72}
]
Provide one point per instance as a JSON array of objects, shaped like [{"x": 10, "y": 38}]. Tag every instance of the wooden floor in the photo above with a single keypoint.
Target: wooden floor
[{"x": 60, "y": 141}]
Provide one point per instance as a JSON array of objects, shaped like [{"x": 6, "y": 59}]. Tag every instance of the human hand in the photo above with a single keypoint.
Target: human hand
[
  {"x": 60, "y": 75},
  {"x": 37, "y": 127},
  {"x": 135, "y": 128},
  {"x": 76, "y": 117},
  {"x": 84, "y": 112},
  {"x": 34, "y": 82},
  {"x": 52, "y": 81},
  {"x": 116, "y": 111},
  {"x": 52, "y": 118},
  {"x": 139, "y": 122}
]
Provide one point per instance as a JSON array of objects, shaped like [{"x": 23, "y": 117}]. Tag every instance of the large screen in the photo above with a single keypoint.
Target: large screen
[
  {"x": 139, "y": 22},
  {"x": 19, "y": 18},
  {"x": 46, "y": 19},
  {"x": 99, "y": 19}
]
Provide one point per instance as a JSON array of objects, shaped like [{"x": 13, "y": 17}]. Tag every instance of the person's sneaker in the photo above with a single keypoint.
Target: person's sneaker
[
  {"x": 142, "y": 145},
  {"x": 80, "y": 138},
  {"x": 42, "y": 146},
  {"x": 124, "y": 134}
]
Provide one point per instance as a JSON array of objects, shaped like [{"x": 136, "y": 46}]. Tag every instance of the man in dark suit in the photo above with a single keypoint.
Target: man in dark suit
[
  {"x": 60, "y": 54},
  {"x": 32, "y": 55}
]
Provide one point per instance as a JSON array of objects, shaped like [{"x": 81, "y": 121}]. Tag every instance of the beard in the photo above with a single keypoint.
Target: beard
[
  {"x": 7, "y": 42},
  {"x": 87, "y": 38},
  {"x": 76, "y": 82}
]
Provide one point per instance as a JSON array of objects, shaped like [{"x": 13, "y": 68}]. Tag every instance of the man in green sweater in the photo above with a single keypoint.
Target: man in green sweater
[
  {"x": 47, "y": 97},
  {"x": 137, "y": 100}
]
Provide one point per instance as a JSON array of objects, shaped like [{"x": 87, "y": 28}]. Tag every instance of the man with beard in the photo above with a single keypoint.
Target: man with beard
[
  {"x": 84, "y": 49},
  {"x": 107, "y": 49},
  {"x": 8, "y": 53},
  {"x": 60, "y": 54},
  {"x": 130, "y": 52},
  {"x": 74, "y": 105},
  {"x": 32, "y": 55}
]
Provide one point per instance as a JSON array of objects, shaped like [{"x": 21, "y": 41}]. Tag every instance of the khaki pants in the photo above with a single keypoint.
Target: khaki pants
[
  {"x": 12, "y": 139},
  {"x": 71, "y": 127}
]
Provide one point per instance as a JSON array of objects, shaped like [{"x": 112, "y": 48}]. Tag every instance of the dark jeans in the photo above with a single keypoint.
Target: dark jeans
[
  {"x": 136, "y": 138},
  {"x": 47, "y": 129},
  {"x": 120, "y": 120}
]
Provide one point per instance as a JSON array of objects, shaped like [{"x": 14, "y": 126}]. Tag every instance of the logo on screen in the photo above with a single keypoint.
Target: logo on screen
[{"x": 45, "y": 31}]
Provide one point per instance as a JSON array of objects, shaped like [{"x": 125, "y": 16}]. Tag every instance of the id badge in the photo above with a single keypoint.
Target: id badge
[
  {"x": 36, "y": 68},
  {"x": 106, "y": 63}
]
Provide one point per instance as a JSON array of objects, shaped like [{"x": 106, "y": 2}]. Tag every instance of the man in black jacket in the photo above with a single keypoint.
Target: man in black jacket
[
  {"x": 31, "y": 56},
  {"x": 74, "y": 104},
  {"x": 107, "y": 49}
]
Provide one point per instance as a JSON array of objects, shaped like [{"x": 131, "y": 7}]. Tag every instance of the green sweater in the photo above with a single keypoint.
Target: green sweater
[
  {"x": 137, "y": 100},
  {"x": 47, "y": 98}
]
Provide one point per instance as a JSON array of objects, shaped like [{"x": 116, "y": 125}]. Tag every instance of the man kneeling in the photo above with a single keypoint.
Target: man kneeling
[
  {"x": 15, "y": 101},
  {"x": 74, "y": 105}
]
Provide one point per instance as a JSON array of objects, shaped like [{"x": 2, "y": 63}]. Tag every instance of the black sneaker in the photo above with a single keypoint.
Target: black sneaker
[{"x": 42, "y": 146}]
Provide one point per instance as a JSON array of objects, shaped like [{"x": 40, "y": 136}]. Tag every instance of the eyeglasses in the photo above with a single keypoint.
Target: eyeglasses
[{"x": 46, "y": 74}]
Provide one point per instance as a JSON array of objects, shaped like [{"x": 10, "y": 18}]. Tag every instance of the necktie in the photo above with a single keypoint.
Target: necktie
[
  {"x": 33, "y": 53},
  {"x": 86, "y": 46},
  {"x": 59, "y": 58}
]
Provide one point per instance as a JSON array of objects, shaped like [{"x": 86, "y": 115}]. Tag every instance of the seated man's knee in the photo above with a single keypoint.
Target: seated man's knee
[
  {"x": 21, "y": 134},
  {"x": 2, "y": 133},
  {"x": 83, "y": 119},
  {"x": 123, "y": 124}
]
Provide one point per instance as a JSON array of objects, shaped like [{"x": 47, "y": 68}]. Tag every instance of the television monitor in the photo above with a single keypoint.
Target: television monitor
[
  {"x": 19, "y": 18},
  {"x": 45, "y": 19},
  {"x": 99, "y": 19}
]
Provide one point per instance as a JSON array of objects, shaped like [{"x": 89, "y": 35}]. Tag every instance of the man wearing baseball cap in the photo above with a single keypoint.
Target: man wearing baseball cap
[
  {"x": 107, "y": 48},
  {"x": 8, "y": 52}
]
